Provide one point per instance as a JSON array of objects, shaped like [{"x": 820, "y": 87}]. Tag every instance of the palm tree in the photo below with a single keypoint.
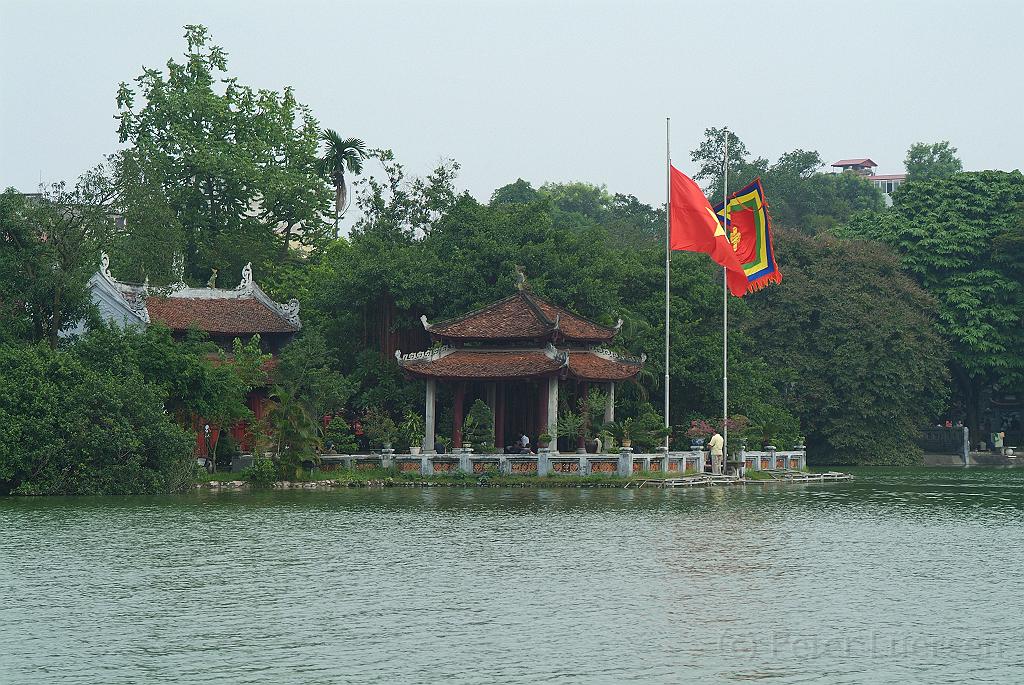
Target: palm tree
[{"x": 341, "y": 153}]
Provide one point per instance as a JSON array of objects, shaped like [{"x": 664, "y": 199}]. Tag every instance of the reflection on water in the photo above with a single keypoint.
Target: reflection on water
[{"x": 899, "y": 576}]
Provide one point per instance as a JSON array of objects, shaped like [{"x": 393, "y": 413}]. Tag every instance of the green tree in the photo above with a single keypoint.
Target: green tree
[
  {"x": 962, "y": 239},
  {"x": 518, "y": 193},
  {"x": 150, "y": 233},
  {"x": 339, "y": 436},
  {"x": 710, "y": 160},
  {"x": 67, "y": 428},
  {"x": 51, "y": 247},
  {"x": 341, "y": 154},
  {"x": 799, "y": 195},
  {"x": 296, "y": 432},
  {"x": 854, "y": 349},
  {"x": 308, "y": 366},
  {"x": 236, "y": 165},
  {"x": 930, "y": 162}
]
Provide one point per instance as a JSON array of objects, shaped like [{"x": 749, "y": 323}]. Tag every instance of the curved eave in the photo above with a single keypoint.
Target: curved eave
[
  {"x": 485, "y": 365},
  {"x": 588, "y": 366}
]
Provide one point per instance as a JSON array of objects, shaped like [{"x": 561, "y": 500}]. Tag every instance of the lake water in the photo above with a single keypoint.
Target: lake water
[{"x": 901, "y": 576}]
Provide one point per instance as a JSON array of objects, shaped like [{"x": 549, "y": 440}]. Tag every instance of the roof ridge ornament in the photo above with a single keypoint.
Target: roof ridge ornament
[
  {"x": 290, "y": 311},
  {"x": 618, "y": 325},
  {"x": 555, "y": 354},
  {"x": 105, "y": 266},
  {"x": 246, "y": 283},
  {"x": 605, "y": 353},
  {"x": 423, "y": 320},
  {"x": 430, "y": 355}
]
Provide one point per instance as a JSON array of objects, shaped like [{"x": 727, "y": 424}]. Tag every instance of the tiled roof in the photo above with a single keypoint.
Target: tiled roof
[
  {"x": 591, "y": 367},
  {"x": 486, "y": 364},
  {"x": 574, "y": 327},
  {"x": 522, "y": 316},
  {"x": 503, "y": 364},
  {"x": 227, "y": 315},
  {"x": 854, "y": 162}
]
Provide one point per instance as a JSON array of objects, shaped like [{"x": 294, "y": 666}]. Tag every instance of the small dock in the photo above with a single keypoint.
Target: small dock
[{"x": 706, "y": 479}]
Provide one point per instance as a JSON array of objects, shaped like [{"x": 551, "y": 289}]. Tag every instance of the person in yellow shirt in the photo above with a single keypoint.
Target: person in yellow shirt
[{"x": 716, "y": 445}]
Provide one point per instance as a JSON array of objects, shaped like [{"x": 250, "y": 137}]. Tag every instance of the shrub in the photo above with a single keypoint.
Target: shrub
[
  {"x": 339, "y": 437},
  {"x": 262, "y": 473},
  {"x": 68, "y": 428},
  {"x": 478, "y": 428}
]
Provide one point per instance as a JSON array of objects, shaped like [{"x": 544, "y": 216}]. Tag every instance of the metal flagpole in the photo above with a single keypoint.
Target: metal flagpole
[
  {"x": 668, "y": 230},
  {"x": 725, "y": 311}
]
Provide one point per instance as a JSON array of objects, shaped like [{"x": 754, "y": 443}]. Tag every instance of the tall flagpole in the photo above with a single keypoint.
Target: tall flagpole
[
  {"x": 668, "y": 264},
  {"x": 725, "y": 311}
]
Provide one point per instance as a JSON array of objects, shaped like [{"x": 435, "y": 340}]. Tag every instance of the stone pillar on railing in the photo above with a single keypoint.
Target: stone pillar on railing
[
  {"x": 465, "y": 459},
  {"x": 543, "y": 461},
  {"x": 626, "y": 461},
  {"x": 967, "y": 446}
]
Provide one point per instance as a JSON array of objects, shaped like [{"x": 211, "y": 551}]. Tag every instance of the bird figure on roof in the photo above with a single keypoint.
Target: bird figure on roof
[{"x": 212, "y": 283}]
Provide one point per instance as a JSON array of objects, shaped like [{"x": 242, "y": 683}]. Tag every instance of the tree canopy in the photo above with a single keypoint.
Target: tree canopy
[
  {"x": 962, "y": 239},
  {"x": 236, "y": 167},
  {"x": 930, "y": 162}
]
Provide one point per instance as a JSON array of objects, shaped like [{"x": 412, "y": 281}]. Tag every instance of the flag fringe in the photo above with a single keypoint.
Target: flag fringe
[{"x": 764, "y": 281}]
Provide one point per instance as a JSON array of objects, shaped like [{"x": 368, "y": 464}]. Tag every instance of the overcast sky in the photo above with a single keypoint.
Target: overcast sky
[{"x": 546, "y": 91}]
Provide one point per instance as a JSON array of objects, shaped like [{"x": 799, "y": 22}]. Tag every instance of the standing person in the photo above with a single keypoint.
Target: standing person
[{"x": 716, "y": 445}]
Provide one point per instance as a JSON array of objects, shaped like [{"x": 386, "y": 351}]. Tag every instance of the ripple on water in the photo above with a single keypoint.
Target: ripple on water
[{"x": 908, "y": 576}]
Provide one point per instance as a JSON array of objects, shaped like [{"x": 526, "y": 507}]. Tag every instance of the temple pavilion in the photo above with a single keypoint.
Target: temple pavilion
[
  {"x": 516, "y": 353},
  {"x": 242, "y": 312}
]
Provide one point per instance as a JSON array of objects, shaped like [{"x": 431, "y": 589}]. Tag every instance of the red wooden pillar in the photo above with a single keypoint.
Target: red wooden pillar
[
  {"x": 499, "y": 416},
  {"x": 460, "y": 394},
  {"x": 584, "y": 389}
]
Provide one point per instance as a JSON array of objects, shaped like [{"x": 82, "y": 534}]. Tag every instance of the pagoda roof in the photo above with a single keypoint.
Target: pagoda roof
[
  {"x": 522, "y": 316},
  {"x": 462, "y": 363},
  {"x": 243, "y": 310},
  {"x": 241, "y": 316}
]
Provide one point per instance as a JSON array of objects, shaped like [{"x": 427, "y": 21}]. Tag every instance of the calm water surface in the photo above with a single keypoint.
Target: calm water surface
[{"x": 909, "y": 577}]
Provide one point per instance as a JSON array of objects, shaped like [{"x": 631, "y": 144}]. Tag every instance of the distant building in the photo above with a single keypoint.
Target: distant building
[
  {"x": 866, "y": 167},
  {"x": 863, "y": 167},
  {"x": 887, "y": 182}
]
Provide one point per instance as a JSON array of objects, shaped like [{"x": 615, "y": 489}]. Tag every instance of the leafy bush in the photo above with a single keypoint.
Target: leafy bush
[
  {"x": 379, "y": 426},
  {"x": 71, "y": 429},
  {"x": 339, "y": 437},
  {"x": 262, "y": 473}
]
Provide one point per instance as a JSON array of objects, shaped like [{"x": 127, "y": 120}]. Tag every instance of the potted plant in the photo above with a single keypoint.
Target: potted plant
[
  {"x": 478, "y": 428},
  {"x": 571, "y": 425},
  {"x": 413, "y": 429},
  {"x": 623, "y": 432},
  {"x": 543, "y": 440}
]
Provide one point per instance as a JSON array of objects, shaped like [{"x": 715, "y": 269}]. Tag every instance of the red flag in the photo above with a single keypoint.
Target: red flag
[{"x": 695, "y": 228}]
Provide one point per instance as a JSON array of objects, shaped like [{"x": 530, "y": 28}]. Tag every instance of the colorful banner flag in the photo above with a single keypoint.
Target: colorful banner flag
[
  {"x": 750, "y": 232},
  {"x": 696, "y": 228}
]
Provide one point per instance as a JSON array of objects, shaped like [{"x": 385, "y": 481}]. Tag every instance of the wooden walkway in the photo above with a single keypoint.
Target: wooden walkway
[{"x": 705, "y": 479}]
